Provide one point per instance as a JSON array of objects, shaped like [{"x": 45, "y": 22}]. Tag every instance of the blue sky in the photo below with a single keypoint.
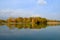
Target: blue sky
[{"x": 49, "y": 9}]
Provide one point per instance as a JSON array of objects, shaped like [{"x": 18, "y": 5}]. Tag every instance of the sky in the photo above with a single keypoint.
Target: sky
[{"x": 49, "y": 9}]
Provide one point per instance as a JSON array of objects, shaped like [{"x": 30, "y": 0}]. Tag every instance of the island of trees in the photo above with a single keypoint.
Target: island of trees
[{"x": 31, "y": 22}]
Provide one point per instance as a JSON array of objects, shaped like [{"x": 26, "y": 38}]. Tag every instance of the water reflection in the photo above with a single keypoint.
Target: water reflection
[
  {"x": 20, "y": 26},
  {"x": 2, "y": 24},
  {"x": 30, "y": 26}
]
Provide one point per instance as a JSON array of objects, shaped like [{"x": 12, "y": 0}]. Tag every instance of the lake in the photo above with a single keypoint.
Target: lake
[{"x": 15, "y": 32}]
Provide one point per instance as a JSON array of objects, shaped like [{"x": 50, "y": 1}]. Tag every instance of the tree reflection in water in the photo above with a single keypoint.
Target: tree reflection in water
[
  {"x": 27, "y": 25},
  {"x": 20, "y": 26}
]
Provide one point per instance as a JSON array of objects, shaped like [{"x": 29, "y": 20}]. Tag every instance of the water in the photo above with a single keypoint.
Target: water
[{"x": 48, "y": 32}]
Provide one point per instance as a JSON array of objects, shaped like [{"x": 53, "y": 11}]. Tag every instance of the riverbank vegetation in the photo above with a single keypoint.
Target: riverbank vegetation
[{"x": 32, "y": 21}]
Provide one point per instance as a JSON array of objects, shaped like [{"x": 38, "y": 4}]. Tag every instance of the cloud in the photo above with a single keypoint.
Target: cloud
[
  {"x": 5, "y": 13},
  {"x": 41, "y": 2}
]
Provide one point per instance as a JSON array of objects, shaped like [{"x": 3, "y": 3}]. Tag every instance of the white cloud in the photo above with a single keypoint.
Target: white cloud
[
  {"x": 41, "y": 2},
  {"x": 6, "y": 13},
  {"x": 16, "y": 13}
]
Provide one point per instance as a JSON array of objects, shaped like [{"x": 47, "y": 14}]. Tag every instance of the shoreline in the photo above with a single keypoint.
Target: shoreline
[{"x": 53, "y": 23}]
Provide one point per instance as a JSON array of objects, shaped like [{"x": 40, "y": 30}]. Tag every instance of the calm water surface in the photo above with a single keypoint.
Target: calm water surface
[{"x": 47, "y": 33}]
